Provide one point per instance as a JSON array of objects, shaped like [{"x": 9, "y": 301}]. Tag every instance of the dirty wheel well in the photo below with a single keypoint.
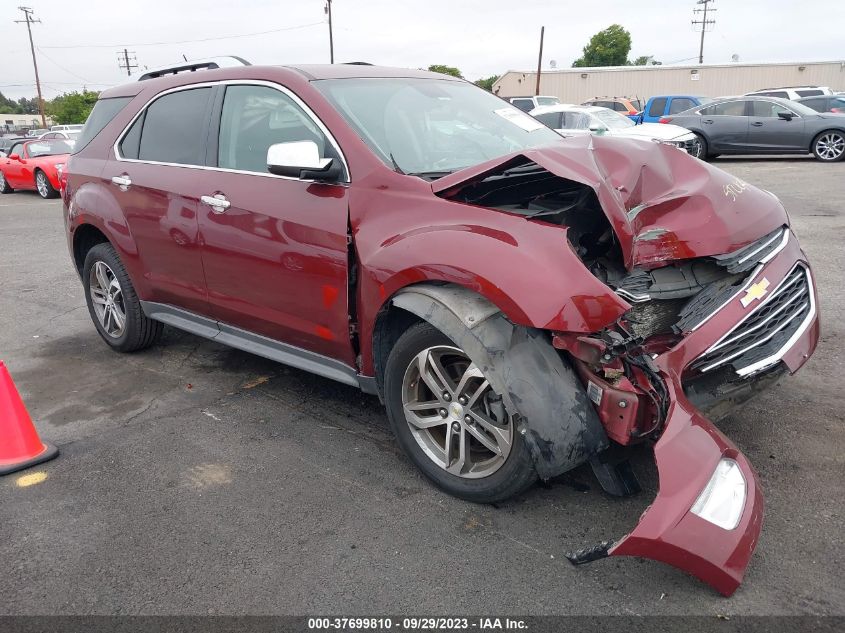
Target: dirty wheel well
[
  {"x": 85, "y": 238},
  {"x": 391, "y": 323}
]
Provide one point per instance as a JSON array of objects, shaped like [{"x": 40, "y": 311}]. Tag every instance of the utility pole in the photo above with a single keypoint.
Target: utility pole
[
  {"x": 328, "y": 11},
  {"x": 29, "y": 20},
  {"x": 125, "y": 63},
  {"x": 540, "y": 61},
  {"x": 704, "y": 22}
]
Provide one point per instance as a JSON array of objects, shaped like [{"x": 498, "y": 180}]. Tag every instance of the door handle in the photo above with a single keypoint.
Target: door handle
[
  {"x": 217, "y": 202},
  {"x": 707, "y": 121},
  {"x": 123, "y": 181},
  {"x": 757, "y": 124}
]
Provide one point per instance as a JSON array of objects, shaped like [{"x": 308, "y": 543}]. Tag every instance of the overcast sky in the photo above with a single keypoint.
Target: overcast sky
[{"x": 481, "y": 37}]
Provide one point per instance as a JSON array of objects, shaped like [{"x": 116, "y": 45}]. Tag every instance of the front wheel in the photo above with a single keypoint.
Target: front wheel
[
  {"x": 699, "y": 147},
  {"x": 42, "y": 184},
  {"x": 450, "y": 422},
  {"x": 829, "y": 146}
]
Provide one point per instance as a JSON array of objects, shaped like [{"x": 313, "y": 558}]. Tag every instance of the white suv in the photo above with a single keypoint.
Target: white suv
[{"x": 793, "y": 92}]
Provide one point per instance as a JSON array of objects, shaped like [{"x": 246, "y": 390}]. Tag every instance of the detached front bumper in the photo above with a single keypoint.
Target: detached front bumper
[
  {"x": 673, "y": 529},
  {"x": 687, "y": 456}
]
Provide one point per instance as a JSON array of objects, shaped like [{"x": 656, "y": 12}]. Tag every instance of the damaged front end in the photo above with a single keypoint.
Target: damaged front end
[{"x": 721, "y": 305}]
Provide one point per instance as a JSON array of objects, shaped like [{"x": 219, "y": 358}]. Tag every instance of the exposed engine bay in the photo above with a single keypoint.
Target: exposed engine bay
[{"x": 666, "y": 300}]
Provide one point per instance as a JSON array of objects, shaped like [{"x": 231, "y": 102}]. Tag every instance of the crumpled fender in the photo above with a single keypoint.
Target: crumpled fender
[
  {"x": 555, "y": 418},
  {"x": 686, "y": 456}
]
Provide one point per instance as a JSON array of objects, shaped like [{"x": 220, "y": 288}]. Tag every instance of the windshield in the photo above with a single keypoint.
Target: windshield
[
  {"x": 48, "y": 148},
  {"x": 613, "y": 120},
  {"x": 432, "y": 126}
]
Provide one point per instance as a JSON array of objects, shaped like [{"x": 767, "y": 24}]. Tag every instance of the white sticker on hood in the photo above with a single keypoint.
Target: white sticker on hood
[
  {"x": 519, "y": 119},
  {"x": 594, "y": 392}
]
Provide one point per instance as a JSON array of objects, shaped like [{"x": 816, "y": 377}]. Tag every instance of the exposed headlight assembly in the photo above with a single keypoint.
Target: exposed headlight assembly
[{"x": 723, "y": 498}]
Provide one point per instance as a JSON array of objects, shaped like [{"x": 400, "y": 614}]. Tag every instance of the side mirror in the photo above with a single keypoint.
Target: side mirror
[
  {"x": 597, "y": 128},
  {"x": 787, "y": 116},
  {"x": 14, "y": 157},
  {"x": 301, "y": 159}
]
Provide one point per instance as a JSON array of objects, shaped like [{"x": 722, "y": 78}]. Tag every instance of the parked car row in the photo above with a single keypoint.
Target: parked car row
[{"x": 706, "y": 128}]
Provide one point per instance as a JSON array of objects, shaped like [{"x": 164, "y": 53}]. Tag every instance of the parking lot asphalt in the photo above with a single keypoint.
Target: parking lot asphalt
[{"x": 196, "y": 479}]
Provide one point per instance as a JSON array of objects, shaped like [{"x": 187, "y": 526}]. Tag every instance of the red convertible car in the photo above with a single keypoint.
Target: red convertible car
[
  {"x": 521, "y": 303},
  {"x": 34, "y": 165}
]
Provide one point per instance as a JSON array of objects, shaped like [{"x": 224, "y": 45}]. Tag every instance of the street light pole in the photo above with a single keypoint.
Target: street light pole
[
  {"x": 331, "y": 37},
  {"x": 539, "y": 61},
  {"x": 28, "y": 19}
]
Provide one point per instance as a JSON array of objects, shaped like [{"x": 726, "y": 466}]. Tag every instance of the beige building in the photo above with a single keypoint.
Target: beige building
[
  {"x": 17, "y": 122},
  {"x": 575, "y": 85}
]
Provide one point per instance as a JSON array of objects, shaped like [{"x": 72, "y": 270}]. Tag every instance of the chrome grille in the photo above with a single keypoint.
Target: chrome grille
[{"x": 760, "y": 339}]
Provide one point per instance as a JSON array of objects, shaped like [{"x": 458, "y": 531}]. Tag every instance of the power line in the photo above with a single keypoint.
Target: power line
[
  {"x": 704, "y": 22},
  {"x": 205, "y": 39},
  {"x": 27, "y": 12},
  {"x": 55, "y": 63}
]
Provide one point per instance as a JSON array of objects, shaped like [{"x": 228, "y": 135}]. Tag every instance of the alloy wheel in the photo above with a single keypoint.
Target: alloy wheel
[
  {"x": 41, "y": 184},
  {"x": 454, "y": 415},
  {"x": 107, "y": 298},
  {"x": 2, "y": 181},
  {"x": 830, "y": 146}
]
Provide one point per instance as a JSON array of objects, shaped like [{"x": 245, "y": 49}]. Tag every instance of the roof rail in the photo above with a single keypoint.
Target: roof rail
[
  {"x": 786, "y": 88},
  {"x": 208, "y": 63}
]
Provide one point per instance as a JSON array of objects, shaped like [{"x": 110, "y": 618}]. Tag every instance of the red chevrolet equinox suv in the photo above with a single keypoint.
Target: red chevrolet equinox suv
[{"x": 521, "y": 303}]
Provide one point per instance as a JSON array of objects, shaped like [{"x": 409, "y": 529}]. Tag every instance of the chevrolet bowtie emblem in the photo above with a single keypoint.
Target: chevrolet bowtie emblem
[{"x": 756, "y": 291}]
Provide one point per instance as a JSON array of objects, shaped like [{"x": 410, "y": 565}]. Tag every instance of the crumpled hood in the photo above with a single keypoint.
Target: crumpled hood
[{"x": 662, "y": 203}]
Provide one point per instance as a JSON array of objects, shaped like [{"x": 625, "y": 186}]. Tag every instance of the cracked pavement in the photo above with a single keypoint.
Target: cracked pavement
[{"x": 197, "y": 479}]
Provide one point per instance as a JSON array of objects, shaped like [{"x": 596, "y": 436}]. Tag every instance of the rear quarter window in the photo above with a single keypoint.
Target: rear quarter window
[{"x": 102, "y": 114}]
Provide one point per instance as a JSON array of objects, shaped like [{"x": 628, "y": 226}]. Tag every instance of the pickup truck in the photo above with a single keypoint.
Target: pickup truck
[{"x": 658, "y": 107}]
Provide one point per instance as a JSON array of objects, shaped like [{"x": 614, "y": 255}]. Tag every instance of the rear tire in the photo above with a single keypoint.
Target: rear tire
[
  {"x": 829, "y": 146},
  {"x": 113, "y": 304},
  {"x": 4, "y": 186},
  {"x": 495, "y": 463}
]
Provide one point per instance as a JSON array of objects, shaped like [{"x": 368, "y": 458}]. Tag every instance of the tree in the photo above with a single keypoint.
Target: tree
[
  {"x": 645, "y": 60},
  {"x": 446, "y": 70},
  {"x": 487, "y": 83},
  {"x": 606, "y": 48},
  {"x": 9, "y": 106},
  {"x": 72, "y": 107},
  {"x": 28, "y": 106}
]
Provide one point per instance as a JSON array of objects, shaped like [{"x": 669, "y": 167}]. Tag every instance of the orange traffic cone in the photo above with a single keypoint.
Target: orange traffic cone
[{"x": 20, "y": 446}]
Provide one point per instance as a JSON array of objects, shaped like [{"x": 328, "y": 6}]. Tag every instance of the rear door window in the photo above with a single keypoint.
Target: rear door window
[
  {"x": 729, "y": 108},
  {"x": 657, "y": 107},
  {"x": 102, "y": 114},
  {"x": 173, "y": 128}
]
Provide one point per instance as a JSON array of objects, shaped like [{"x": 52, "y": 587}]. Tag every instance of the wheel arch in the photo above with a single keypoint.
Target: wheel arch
[
  {"x": 551, "y": 408},
  {"x": 85, "y": 237},
  {"x": 824, "y": 131}
]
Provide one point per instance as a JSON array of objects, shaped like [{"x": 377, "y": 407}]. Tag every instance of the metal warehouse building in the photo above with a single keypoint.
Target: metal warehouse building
[{"x": 575, "y": 85}]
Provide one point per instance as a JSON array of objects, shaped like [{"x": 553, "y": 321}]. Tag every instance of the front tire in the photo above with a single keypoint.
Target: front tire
[
  {"x": 449, "y": 421},
  {"x": 829, "y": 146},
  {"x": 4, "y": 186},
  {"x": 43, "y": 186},
  {"x": 113, "y": 304},
  {"x": 700, "y": 147}
]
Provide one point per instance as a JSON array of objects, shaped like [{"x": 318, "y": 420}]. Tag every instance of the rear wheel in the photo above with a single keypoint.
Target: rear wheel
[
  {"x": 450, "y": 422},
  {"x": 829, "y": 146},
  {"x": 4, "y": 186},
  {"x": 43, "y": 186},
  {"x": 112, "y": 303}
]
